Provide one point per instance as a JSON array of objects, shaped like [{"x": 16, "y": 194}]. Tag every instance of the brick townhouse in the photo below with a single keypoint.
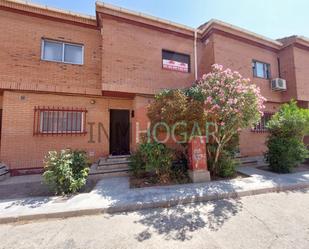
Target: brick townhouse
[{"x": 69, "y": 80}]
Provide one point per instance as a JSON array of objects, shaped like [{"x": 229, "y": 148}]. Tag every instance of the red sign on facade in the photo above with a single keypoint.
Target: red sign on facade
[{"x": 176, "y": 65}]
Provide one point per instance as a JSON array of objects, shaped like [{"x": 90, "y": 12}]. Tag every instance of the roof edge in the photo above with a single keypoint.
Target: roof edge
[
  {"x": 143, "y": 15},
  {"x": 245, "y": 32},
  {"x": 42, "y": 10}
]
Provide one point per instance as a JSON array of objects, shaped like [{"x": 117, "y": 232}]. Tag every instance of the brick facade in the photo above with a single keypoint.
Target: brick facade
[{"x": 122, "y": 70}]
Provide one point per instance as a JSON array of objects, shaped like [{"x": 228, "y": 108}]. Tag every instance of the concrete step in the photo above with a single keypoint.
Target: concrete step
[
  {"x": 110, "y": 174},
  {"x": 4, "y": 172},
  {"x": 251, "y": 161},
  {"x": 113, "y": 160},
  {"x": 113, "y": 166},
  {"x": 117, "y": 158},
  {"x": 105, "y": 163},
  {"x": 109, "y": 171}
]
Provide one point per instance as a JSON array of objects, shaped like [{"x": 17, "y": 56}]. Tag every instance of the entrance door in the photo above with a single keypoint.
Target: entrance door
[{"x": 119, "y": 137}]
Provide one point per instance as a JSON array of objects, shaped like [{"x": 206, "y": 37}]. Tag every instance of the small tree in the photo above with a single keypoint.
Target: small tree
[
  {"x": 221, "y": 103},
  {"x": 231, "y": 104},
  {"x": 287, "y": 128},
  {"x": 179, "y": 111}
]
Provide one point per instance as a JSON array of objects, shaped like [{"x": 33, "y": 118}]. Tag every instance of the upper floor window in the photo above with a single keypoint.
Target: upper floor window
[
  {"x": 175, "y": 61},
  {"x": 261, "y": 69},
  {"x": 62, "y": 52}
]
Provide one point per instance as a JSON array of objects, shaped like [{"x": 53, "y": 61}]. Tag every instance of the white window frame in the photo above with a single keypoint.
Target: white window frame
[
  {"x": 61, "y": 132},
  {"x": 63, "y": 46},
  {"x": 266, "y": 69}
]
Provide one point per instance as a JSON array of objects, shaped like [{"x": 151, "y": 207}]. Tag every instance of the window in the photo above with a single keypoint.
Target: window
[
  {"x": 175, "y": 61},
  {"x": 261, "y": 69},
  {"x": 59, "y": 121},
  {"x": 62, "y": 52},
  {"x": 261, "y": 126}
]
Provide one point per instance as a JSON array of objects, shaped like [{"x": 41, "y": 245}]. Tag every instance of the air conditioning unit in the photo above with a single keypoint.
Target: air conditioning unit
[{"x": 278, "y": 84}]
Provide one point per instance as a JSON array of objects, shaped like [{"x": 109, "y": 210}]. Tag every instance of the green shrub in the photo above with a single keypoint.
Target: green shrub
[
  {"x": 284, "y": 154},
  {"x": 286, "y": 149},
  {"x": 137, "y": 164},
  {"x": 152, "y": 157},
  {"x": 66, "y": 171},
  {"x": 179, "y": 170},
  {"x": 227, "y": 165}
]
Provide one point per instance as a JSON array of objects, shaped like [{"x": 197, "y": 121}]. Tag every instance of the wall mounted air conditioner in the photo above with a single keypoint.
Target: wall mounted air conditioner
[{"x": 278, "y": 84}]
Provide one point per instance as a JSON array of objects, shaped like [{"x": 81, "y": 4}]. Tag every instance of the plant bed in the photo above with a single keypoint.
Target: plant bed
[
  {"x": 150, "y": 180},
  {"x": 237, "y": 175}
]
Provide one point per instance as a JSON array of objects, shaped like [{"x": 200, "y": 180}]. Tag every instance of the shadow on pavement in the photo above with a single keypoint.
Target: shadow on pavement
[{"x": 178, "y": 223}]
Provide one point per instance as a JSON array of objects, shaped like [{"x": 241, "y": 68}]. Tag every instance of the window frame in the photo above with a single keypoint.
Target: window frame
[
  {"x": 254, "y": 69},
  {"x": 52, "y": 131},
  {"x": 38, "y": 124},
  {"x": 262, "y": 128},
  {"x": 170, "y": 51},
  {"x": 63, "y": 51}
]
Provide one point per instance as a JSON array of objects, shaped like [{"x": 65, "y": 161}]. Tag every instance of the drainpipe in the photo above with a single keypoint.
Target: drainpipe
[
  {"x": 195, "y": 54},
  {"x": 279, "y": 69}
]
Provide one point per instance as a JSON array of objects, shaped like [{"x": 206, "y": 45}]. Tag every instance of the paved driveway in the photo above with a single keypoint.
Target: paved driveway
[{"x": 275, "y": 220}]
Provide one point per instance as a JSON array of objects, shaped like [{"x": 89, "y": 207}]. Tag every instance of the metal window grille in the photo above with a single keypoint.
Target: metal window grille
[
  {"x": 59, "y": 121},
  {"x": 261, "y": 126}
]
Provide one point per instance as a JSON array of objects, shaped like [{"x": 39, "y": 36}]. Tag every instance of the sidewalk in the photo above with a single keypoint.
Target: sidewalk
[{"x": 114, "y": 195}]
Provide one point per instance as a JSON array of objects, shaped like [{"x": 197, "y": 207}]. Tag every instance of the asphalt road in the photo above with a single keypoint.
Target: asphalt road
[{"x": 275, "y": 220}]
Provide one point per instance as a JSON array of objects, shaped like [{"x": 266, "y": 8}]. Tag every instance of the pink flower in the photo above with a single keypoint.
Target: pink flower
[{"x": 216, "y": 106}]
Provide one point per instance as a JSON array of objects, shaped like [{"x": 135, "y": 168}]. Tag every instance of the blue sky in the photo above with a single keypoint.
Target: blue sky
[{"x": 271, "y": 18}]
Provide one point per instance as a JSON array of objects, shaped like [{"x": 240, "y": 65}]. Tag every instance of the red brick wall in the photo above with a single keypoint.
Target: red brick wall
[
  {"x": 288, "y": 72},
  {"x": 132, "y": 58},
  {"x": 301, "y": 58},
  {"x": 20, "y": 149},
  {"x": 206, "y": 56},
  {"x": 20, "y": 55},
  {"x": 238, "y": 56},
  {"x": 253, "y": 143}
]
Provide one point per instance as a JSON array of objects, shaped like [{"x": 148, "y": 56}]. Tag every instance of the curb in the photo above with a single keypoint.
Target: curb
[{"x": 156, "y": 204}]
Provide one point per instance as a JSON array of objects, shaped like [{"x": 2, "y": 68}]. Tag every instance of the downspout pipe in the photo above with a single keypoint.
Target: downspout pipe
[{"x": 195, "y": 54}]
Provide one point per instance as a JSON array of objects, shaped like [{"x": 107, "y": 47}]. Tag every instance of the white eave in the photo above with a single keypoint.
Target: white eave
[{"x": 244, "y": 31}]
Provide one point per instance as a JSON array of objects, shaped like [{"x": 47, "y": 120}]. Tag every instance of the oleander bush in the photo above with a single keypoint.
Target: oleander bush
[
  {"x": 217, "y": 106},
  {"x": 66, "y": 172}
]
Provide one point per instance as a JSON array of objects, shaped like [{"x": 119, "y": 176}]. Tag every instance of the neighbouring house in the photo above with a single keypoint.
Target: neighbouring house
[{"x": 70, "y": 80}]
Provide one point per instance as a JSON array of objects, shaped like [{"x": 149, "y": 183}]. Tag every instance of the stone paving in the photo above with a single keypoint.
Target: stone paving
[{"x": 114, "y": 195}]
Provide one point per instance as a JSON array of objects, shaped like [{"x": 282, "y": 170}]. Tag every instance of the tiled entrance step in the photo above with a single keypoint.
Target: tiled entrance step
[
  {"x": 251, "y": 161},
  {"x": 4, "y": 172},
  {"x": 111, "y": 166}
]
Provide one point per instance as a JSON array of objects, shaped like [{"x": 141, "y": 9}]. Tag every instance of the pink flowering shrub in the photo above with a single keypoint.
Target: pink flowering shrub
[
  {"x": 231, "y": 103},
  {"x": 219, "y": 105}
]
